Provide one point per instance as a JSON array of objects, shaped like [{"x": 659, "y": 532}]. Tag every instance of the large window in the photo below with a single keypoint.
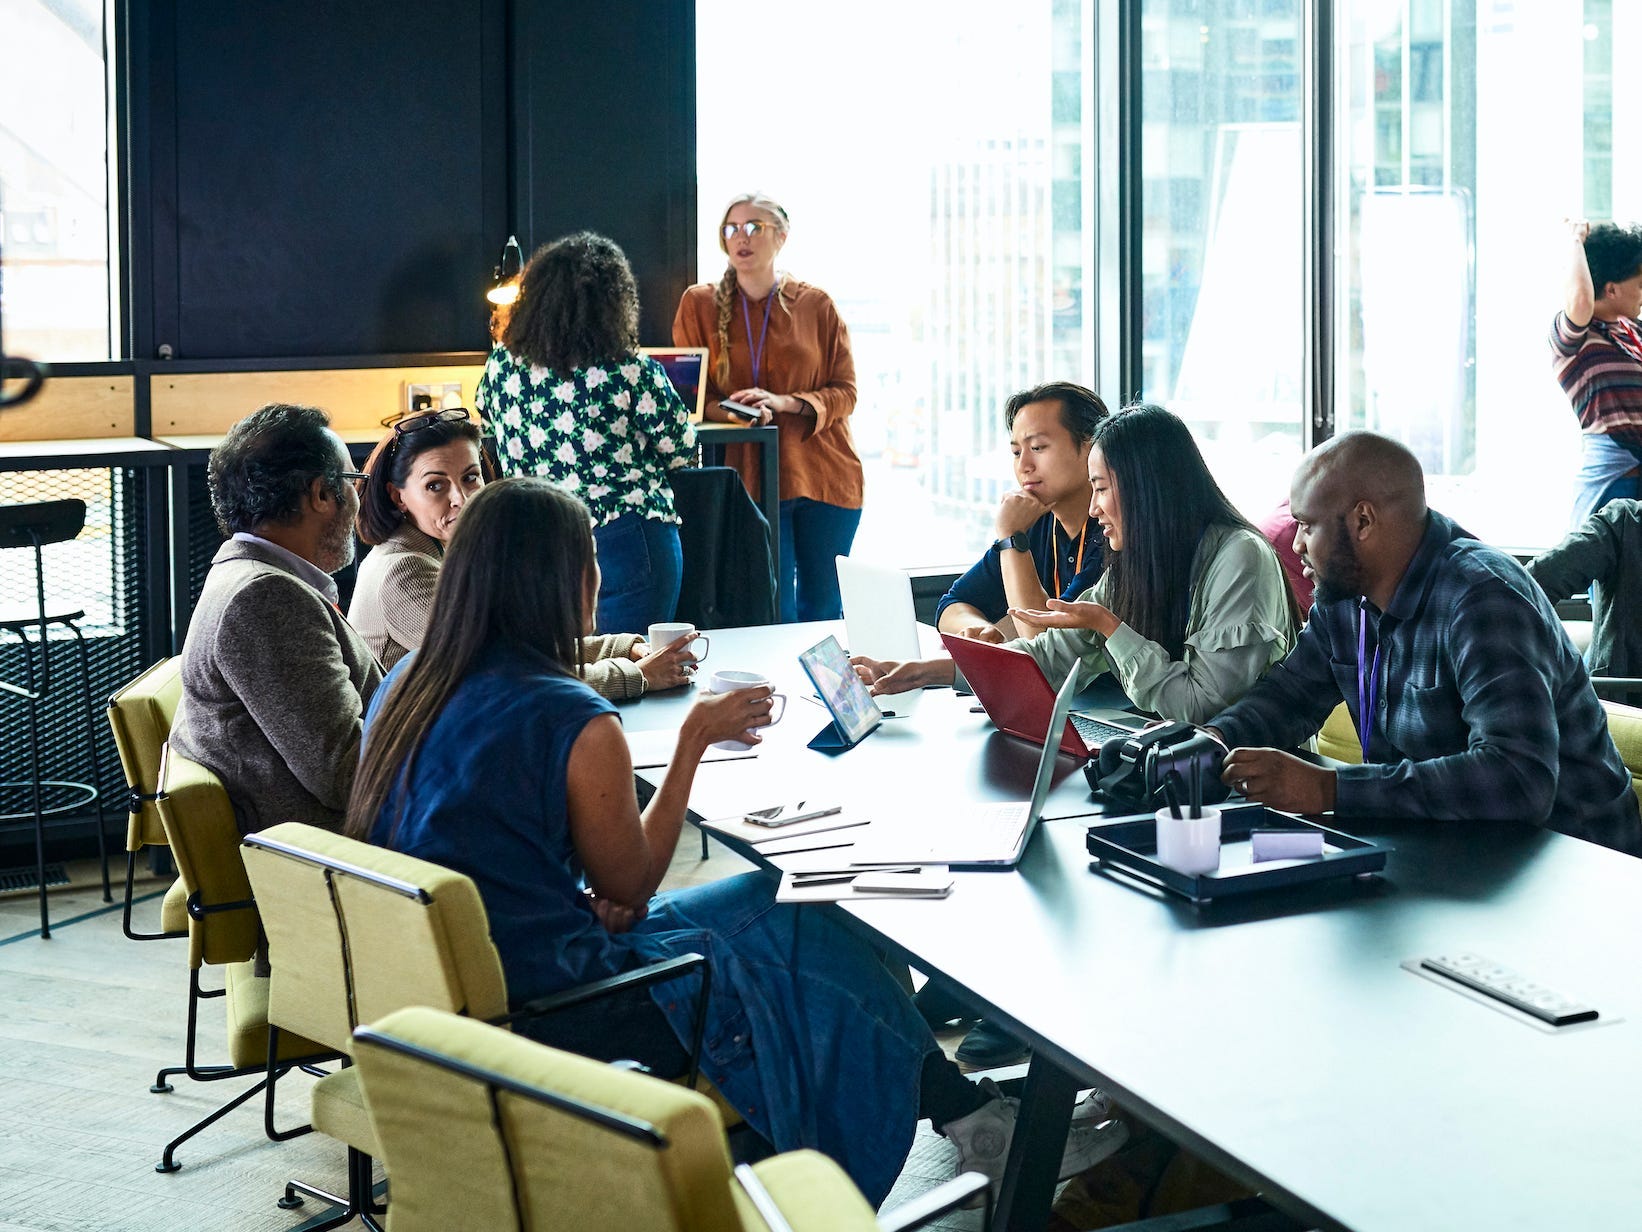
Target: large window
[
  {"x": 945, "y": 194},
  {"x": 1468, "y": 133},
  {"x": 936, "y": 160},
  {"x": 55, "y": 237},
  {"x": 1223, "y": 309}
]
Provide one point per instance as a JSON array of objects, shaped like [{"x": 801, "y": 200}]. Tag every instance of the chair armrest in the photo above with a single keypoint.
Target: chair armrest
[
  {"x": 768, "y": 1211},
  {"x": 656, "y": 973},
  {"x": 944, "y": 1198},
  {"x": 199, "y": 909},
  {"x": 1616, "y": 682}
]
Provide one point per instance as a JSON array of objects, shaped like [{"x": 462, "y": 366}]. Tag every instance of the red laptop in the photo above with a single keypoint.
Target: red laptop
[{"x": 1018, "y": 699}]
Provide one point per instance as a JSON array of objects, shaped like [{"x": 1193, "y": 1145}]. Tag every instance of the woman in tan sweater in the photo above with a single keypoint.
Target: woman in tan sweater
[
  {"x": 778, "y": 345},
  {"x": 419, "y": 477}
]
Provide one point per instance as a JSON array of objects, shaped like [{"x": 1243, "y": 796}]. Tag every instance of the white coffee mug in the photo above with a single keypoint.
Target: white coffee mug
[
  {"x": 1189, "y": 844},
  {"x": 661, "y": 636},
  {"x": 729, "y": 680}
]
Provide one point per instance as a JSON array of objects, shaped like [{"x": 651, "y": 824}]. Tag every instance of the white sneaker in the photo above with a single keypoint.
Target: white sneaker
[{"x": 983, "y": 1137}]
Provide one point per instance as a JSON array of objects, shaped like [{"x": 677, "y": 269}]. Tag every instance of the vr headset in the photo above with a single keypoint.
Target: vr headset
[{"x": 1132, "y": 772}]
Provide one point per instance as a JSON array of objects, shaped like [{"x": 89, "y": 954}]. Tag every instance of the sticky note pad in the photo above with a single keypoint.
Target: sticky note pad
[{"x": 1285, "y": 844}]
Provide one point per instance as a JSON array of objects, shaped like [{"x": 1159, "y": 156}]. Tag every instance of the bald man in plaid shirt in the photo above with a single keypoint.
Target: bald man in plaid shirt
[{"x": 1469, "y": 697}]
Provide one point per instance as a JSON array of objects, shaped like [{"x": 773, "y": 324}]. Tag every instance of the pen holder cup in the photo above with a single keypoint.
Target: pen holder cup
[{"x": 1189, "y": 844}]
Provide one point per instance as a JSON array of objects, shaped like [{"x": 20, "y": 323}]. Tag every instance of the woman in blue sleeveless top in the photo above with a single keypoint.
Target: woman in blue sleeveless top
[{"x": 484, "y": 753}]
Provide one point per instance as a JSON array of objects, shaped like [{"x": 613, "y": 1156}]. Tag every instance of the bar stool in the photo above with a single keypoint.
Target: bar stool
[{"x": 35, "y": 525}]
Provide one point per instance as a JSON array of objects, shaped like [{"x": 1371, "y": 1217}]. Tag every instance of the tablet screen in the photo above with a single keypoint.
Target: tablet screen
[{"x": 840, "y": 689}]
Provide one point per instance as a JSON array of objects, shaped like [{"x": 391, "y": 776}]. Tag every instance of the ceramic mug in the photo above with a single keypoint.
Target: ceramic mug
[
  {"x": 1189, "y": 844},
  {"x": 660, "y": 636},
  {"x": 728, "y": 680}
]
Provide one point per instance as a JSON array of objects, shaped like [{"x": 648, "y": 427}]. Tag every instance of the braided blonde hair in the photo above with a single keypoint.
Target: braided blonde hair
[{"x": 725, "y": 292}]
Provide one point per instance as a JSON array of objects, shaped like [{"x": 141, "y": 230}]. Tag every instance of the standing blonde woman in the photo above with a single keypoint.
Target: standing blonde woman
[{"x": 779, "y": 346}]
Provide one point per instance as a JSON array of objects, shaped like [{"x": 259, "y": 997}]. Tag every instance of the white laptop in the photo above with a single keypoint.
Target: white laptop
[
  {"x": 978, "y": 835},
  {"x": 880, "y": 622}
]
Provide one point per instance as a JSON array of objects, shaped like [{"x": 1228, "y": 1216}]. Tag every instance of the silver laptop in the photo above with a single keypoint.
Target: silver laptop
[
  {"x": 880, "y": 622},
  {"x": 977, "y": 835}
]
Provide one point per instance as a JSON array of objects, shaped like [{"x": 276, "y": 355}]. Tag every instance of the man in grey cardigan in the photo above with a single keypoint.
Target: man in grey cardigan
[{"x": 274, "y": 680}]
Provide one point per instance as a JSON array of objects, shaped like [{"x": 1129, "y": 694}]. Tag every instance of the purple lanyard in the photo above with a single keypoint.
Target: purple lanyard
[
  {"x": 1368, "y": 691},
  {"x": 757, "y": 352}
]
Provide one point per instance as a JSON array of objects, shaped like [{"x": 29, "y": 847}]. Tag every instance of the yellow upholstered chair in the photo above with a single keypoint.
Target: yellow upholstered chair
[
  {"x": 1338, "y": 737},
  {"x": 1625, "y": 726},
  {"x": 140, "y": 715},
  {"x": 198, "y": 821},
  {"x": 356, "y": 932},
  {"x": 533, "y": 1138}
]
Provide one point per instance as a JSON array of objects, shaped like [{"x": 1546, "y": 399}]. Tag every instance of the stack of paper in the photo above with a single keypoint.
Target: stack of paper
[{"x": 814, "y": 884}]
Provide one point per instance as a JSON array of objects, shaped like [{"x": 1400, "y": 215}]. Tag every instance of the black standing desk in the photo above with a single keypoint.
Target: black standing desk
[{"x": 1280, "y": 1038}]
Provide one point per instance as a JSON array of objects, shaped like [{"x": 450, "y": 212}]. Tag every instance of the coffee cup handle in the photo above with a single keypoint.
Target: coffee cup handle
[
  {"x": 701, "y": 655},
  {"x": 776, "y": 715}
]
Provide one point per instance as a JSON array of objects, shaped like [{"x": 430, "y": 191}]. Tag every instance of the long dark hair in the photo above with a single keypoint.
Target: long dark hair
[
  {"x": 390, "y": 462},
  {"x": 578, "y": 305},
  {"x": 1168, "y": 499},
  {"x": 518, "y": 572}
]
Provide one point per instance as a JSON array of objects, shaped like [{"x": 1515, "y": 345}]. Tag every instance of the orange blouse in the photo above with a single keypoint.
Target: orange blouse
[{"x": 806, "y": 354}]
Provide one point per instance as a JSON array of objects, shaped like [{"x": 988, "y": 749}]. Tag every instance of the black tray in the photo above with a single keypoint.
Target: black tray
[{"x": 1132, "y": 846}]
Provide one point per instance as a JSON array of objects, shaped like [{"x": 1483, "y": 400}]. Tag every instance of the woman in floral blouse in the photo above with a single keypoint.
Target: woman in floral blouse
[{"x": 571, "y": 399}]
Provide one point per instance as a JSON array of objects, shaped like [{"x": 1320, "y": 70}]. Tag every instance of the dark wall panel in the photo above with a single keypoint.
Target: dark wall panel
[
  {"x": 605, "y": 135},
  {"x": 332, "y": 192}
]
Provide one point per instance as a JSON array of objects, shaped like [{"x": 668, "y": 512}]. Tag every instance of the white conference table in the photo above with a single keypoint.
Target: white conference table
[{"x": 1279, "y": 1038}]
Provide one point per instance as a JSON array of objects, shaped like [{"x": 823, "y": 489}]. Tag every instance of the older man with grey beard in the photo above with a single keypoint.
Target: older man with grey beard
[{"x": 274, "y": 679}]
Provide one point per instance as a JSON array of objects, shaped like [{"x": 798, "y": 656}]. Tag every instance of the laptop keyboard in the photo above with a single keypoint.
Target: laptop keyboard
[
  {"x": 995, "y": 822},
  {"x": 1094, "y": 732}
]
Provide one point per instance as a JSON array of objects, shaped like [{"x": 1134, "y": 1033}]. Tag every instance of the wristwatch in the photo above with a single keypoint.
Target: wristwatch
[{"x": 1018, "y": 541}]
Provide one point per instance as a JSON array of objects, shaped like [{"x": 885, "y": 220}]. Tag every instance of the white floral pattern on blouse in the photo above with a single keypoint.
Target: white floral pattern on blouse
[{"x": 608, "y": 433}]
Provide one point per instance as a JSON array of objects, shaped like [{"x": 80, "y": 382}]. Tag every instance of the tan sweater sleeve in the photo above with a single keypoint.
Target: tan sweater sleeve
[
  {"x": 406, "y": 597},
  {"x": 609, "y": 670}
]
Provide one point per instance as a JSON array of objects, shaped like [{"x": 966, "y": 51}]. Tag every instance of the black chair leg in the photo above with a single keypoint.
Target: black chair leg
[
  {"x": 168, "y": 1162},
  {"x": 39, "y": 812},
  {"x": 96, "y": 758},
  {"x": 199, "y": 1073},
  {"x": 357, "y": 1205},
  {"x": 125, "y": 918}
]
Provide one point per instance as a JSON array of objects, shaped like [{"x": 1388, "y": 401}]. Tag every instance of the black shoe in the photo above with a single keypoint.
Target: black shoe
[
  {"x": 988, "y": 1046},
  {"x": 939, "y": 1007}
]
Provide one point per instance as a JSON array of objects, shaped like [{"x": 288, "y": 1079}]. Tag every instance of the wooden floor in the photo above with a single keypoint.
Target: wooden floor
[{"x": 87, "y": 1018}]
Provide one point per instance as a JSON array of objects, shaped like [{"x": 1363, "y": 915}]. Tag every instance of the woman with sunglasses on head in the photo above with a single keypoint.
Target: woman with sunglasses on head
[
  {"x": 418, "y": 480},
  {"x": 1193, "y": 606},
  {"x": 483, "y": 753},
  {"x": 571, "y": 399},
  {"x": 777, "y": 346}
]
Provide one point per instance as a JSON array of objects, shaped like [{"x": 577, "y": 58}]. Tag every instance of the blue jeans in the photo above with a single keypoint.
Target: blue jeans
[
  {"x": 808, "y": 1035},
  {"x": 812, "y": 534},
  {"x": 642, "y": 567}
]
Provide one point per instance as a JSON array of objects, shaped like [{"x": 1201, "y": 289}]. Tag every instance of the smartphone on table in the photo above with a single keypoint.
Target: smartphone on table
[{"x": 789, "y": 812}]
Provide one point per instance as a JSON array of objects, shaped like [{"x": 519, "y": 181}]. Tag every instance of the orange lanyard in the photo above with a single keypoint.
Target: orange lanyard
[{"x": 1081, "y": 539}]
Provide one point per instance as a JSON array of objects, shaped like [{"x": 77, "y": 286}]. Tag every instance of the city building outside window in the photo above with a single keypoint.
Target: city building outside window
[{"x": 935, "y": 170}]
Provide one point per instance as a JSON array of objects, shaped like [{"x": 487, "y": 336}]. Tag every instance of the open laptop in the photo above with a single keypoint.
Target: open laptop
[
  {"x": 685, "y": 367},
  {"x": 976, "y": 835},
  {"x": 880, "y": 622},
  {"x": 1011, "y": 687}
]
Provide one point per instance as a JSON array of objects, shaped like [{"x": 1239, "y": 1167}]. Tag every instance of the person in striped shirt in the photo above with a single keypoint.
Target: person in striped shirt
[{"x": 1596, "y": 354}]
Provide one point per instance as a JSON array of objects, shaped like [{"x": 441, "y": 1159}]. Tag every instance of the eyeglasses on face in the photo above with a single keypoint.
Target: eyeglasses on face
[
  {"x": 426, "y": 419},
  {"x": 749, "y": 228},
  {"x": 353, "y": 476}
]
